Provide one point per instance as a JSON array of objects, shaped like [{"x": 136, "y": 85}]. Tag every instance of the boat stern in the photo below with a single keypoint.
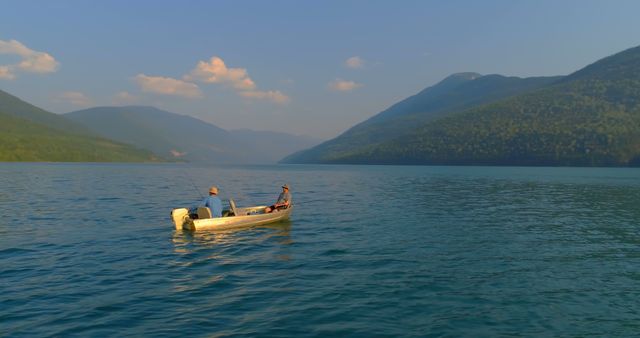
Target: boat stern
[{"x": 179, "y": 217}]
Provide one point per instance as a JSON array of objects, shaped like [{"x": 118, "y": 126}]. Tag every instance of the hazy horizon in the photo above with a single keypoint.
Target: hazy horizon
[{"x": 309, "y": 68}]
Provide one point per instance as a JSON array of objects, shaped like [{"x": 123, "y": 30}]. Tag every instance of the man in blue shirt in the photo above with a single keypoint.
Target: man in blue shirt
[{"x": 213, "y": 202}]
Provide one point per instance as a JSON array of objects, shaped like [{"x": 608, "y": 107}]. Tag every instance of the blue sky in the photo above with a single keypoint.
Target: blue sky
[{"x": 304, "y": 67}]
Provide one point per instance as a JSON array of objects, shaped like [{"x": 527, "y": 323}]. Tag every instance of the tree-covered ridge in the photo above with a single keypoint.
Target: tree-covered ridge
[
  {"x": 542, "y": 129},
  {"x": 14, "y": 106},
  {"x": 455, "y": 93},
  {"x": 30, "y": 138},
  {"x": 590, "y": 118}
]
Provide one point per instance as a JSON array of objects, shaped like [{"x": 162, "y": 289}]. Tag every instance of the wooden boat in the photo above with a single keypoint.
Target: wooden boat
[{"x": 232, "y": 218}]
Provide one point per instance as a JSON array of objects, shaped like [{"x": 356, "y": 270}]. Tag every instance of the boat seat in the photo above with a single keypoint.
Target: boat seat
[
  {"x": 203, "y": 212},
  {"x": 232, "y": 206}
]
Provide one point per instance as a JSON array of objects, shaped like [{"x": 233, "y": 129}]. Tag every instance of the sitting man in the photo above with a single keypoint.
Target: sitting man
[
  {"x": 284, "y": 200},
  {"x": 213, "y": 202}
]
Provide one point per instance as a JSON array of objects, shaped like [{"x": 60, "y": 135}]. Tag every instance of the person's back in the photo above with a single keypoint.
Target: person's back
[{"x": 213, "y": 202}]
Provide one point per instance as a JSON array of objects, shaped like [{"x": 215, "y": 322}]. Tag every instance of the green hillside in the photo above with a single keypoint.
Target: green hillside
[
  {"x": 14, "y": 106},
  {"x": 454, "y": 93},
  {"x": 26, "y": 135},
  {"x": 589, "y": 118}
]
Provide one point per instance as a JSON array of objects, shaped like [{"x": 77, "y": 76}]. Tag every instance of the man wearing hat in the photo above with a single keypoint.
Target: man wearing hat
[
  {"x": 213, "y": 202},
  {"x": 284, "y": 200}
]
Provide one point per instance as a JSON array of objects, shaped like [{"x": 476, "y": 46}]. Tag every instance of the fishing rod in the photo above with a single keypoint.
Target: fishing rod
[{"x": 193, "y": 183}]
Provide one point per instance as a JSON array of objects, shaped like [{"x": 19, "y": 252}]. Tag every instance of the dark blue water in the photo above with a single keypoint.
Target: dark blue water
[{"x": 89, "y": 250}]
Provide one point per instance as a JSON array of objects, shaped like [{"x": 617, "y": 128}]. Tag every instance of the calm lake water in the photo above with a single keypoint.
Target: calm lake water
[{"x": 89, "y": 250}]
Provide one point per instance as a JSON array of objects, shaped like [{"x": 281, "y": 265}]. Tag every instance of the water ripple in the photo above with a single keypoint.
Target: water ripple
[{"x": 370, "y": 251}]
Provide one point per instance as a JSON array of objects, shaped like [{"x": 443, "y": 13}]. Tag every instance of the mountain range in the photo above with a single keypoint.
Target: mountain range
[
  {"x": 588, "y": 118},
  {"x": 28, "y": 133},
  {"x": 131, "y": 134},
  {"x": 456, "y": 92},
  {"x": 184, "y": 138}
]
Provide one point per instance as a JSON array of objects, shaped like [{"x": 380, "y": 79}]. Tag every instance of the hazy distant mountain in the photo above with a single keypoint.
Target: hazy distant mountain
[
  {"x": 170, "y": 135},
  {"x": 186, "y": 138},
  {"x": 591, "y": 117},
  {"x": 272, "y": 146},
  {"x": 28, "y": 133},
  {"x": 454, "y": 93}
]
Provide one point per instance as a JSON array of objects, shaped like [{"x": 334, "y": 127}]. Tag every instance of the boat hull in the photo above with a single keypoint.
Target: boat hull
[{"x": 246, "y": 217}]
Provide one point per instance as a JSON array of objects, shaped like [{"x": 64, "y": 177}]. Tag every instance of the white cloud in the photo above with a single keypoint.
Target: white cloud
[
  {"x": 354, "y": 62},
  {"x": 271, "y": 95},
  {"x": 343, "y": 85},
  {"x": 39, "y": 63},
  {"x": 5, "y": 73},
  {"x": 167, "y": 86},
  {"x": 75, "y": 98},
  {"x": 31, "y": 61},
  {"x": 124, "y": 98},
  {"x": 215, "y": 71}
]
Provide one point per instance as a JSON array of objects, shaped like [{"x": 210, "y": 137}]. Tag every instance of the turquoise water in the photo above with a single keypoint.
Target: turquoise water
[{"x": 89, "y": 250}]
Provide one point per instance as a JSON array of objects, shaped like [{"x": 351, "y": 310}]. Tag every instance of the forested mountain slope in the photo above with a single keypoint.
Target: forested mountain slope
[
  {"x": 589, "y": 118},
  {"x": 28, "y": 133},
  {"x": 455, "y": 93}
]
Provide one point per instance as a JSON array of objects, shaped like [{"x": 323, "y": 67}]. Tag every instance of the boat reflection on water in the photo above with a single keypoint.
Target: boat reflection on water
[{"x": 210, "y": 260}]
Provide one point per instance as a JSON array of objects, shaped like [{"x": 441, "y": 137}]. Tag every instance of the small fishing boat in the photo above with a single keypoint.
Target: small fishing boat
[{"x": 231, "y": 219}]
